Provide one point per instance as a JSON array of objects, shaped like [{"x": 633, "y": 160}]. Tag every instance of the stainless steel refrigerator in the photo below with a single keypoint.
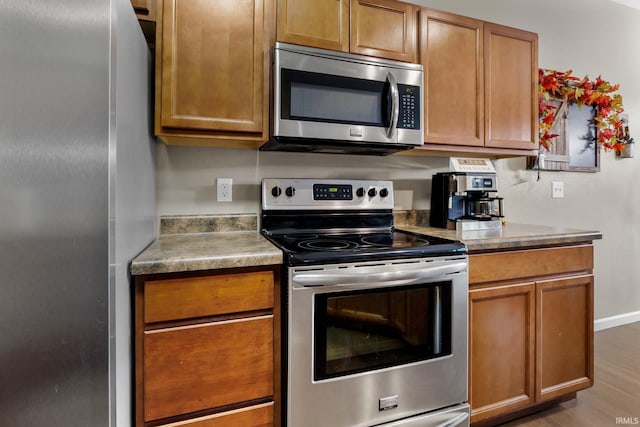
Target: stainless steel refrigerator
[{"x": 77, "y": 203}]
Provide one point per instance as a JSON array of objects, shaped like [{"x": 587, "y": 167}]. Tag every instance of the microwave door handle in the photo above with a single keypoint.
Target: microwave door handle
[
  {"x": 395, "y": 106},
  {"x": 390, "y": 277}
]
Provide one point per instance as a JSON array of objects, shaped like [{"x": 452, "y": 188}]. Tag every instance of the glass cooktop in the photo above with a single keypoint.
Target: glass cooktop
[{"x": 327, "y": 247}]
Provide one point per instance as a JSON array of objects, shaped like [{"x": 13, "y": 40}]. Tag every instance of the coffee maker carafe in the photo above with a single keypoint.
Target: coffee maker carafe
[{"x": 465, "y": 200}]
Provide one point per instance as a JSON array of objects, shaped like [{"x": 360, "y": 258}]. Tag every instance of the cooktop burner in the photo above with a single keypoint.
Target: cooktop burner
[
  {"x": 347, "y": 241},
  {"x": 324, "y": 244}
]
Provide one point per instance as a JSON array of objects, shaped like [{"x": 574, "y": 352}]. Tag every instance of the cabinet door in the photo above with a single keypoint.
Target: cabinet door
[
  {"x": 214, "y": 65},
  {"x": 511, "y": 96},
  {"x": 199, "y": 367},
  {"x": 383, "y": 28},
  {"x": 501, "y": 349},
  {"x": 321, "y": 24},
  {"x": 451, "y": 54},
  {"x": 564, "y": 347}
]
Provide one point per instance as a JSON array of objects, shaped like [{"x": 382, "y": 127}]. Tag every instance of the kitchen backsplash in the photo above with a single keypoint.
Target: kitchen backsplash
[
  {"x": 187, "y": 176},
  {"x": 207, "y": 223}
]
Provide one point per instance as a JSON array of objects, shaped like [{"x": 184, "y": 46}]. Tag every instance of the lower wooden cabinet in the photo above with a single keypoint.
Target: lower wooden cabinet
[
  {"x": 530, "y": 328},
  {"x": 206, "y": 349}
]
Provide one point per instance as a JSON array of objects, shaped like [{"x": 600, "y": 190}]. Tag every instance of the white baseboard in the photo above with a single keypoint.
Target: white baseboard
[{"x": 613, "y": 321}]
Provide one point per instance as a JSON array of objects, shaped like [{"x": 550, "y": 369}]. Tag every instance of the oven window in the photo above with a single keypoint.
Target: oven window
[
  {"x": 333, "y": 99},
  {"x": 360, "y": 331}
]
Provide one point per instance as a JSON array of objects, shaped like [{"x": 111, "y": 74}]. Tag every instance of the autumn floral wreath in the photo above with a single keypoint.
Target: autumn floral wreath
[{"x": 598, "y": 94}]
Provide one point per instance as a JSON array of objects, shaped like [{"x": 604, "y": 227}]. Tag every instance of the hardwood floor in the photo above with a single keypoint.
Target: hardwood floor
[{"x": 615, "y": 397}]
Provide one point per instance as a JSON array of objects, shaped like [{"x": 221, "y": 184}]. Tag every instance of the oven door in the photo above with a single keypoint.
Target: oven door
[
  {"x": 374, "y": 342},
  {"x": 325, "y": 95}
]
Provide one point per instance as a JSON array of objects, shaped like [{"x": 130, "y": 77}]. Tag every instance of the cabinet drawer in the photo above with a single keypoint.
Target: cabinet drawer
[
  {"x": 528, "y": 263},
  {"x": 193, "y": 368},
  {"x": 255, "y": 416},
  {"x": 185, "y": 298}
]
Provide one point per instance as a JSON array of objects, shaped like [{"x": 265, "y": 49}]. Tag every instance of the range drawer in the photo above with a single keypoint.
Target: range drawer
[
  {"x": 185, "y": 298},
  {"x": 255, "y": 416},
  {"x": 192, "y": 368},
  {"x": 496, "y": 266}
]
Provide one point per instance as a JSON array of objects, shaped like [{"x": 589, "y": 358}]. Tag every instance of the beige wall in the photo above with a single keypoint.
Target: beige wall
[{"x": 589, "y": 36}]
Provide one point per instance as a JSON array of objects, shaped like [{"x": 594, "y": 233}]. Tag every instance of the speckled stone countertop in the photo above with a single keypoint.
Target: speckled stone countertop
[
  {"x": 510, "y": 236},
  {"x": 209, "y": 242},
  {"x": 219, "y": 242}
]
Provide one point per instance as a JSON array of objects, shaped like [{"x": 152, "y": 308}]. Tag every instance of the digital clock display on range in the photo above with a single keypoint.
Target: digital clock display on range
[{"x": 332, "y": 192}]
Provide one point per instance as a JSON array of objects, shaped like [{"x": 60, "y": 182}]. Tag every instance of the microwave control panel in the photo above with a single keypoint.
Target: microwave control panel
[{"x": 409, "y": 116}]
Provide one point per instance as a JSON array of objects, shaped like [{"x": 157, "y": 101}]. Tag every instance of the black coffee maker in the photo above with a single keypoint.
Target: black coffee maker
[{"x": 463, "y": 201}]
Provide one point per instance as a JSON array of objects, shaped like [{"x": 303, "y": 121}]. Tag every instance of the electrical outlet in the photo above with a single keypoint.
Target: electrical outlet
[
  {"x": 557, "y": 189},
  {"x": 224, "y": 189}
]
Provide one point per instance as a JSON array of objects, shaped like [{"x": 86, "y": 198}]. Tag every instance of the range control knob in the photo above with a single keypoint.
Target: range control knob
[
  {"x": 360, "y": 192},
  {"x": 290, "y": 191},
  {"x": 372, "y": 192},
  {"x": 384, "y": 192},
  {"x": 276, "y": 191}
]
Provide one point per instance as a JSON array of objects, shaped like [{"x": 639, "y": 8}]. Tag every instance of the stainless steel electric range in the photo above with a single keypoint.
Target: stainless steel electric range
[{"x": 374, "y": 322}]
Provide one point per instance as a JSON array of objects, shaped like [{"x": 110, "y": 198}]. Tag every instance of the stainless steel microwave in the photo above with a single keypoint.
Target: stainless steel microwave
[{"x": 334, "y": 102}]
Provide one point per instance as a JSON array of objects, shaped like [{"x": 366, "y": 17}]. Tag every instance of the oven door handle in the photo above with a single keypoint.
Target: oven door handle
[{"x": 387, "y": 278}]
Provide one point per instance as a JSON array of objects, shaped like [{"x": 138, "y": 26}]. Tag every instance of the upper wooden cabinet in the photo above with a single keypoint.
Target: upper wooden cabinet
[
  {"x": 511, "y": 87},
  {"x": 451, "y": 54},
  {"x": 480, "y": 85},
  {"x": 321, "y": 24},
  {"x": 382, "y": 28},
  {"x": 212, "y": 71}
]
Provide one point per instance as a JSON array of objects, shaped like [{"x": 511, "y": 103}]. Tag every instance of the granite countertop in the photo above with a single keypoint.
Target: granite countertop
[
  {"x": 205, "y": 251},
  {"x": 218, "y": 242},
  {"x": 214, "y": 242},
  {"x": 510, "y": 236}
]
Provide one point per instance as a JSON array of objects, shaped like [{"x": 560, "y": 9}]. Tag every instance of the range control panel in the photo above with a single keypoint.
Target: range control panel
[
  {"x": 309, "y": 194},
  {"x": 332, "y": 192}
]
